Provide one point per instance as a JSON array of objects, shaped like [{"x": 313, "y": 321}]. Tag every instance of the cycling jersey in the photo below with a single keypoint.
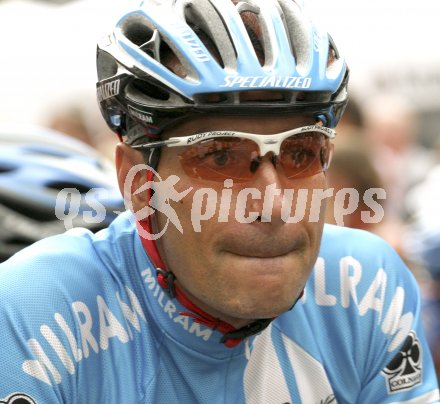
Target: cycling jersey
[{"x": 83, "y": 320}]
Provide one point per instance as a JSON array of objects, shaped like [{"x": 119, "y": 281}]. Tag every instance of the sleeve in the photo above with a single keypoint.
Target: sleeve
[{"x": 402, "y": 368}]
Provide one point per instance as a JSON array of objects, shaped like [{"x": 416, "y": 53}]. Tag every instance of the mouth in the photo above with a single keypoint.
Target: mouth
[
  {"x": 267, "y": 250},
  {"x": 260, "y": 254},
  {"x": 266, "y": 264},
  {"x": 265, "y": 246}
]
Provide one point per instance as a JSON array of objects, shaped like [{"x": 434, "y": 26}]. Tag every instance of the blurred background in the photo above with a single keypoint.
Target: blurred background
[{"x": 389, "y": 137}]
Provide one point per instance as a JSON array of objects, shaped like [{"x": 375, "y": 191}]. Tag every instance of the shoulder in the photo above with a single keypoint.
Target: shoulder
[
  {"x": 361, "y": 303},
  {"x": 363, "y": 285},
  {"x": 364, "y": 271},
  {"x": 77, "y": 244},
  {"x": 345, "y": 239},
  {"x": 68, "y": 266},
  {"x": 343, "y": 246},
  {"x": 65, "y": 299}
]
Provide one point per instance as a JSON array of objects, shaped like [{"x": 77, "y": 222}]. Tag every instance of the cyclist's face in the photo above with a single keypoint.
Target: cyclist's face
[{"x": 232, "y": 268}]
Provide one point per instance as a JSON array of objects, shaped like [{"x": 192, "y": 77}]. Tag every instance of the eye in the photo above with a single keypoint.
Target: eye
[
  {"x": 221, "y": 157},
  {"x": 216, "y": 157},
  {"x": 301, "y": 156},
  {"x": 214, "y": 152},
  {"x": 301, "y": 151}
]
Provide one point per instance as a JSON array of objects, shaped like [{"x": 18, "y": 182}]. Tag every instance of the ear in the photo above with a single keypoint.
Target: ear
[{"x": 132, "y": 175}]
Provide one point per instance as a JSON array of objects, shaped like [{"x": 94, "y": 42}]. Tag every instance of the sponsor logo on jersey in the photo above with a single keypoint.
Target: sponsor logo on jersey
[
  {"x": 18, "y": 398},
  {"x": 405, "y": 370},
  {"x": 117, "y": 318},
  {"x": 331, "y": 399}
]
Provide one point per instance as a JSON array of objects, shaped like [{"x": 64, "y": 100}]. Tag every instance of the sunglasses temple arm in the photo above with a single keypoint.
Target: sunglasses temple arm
[{"x": 153, "y": 145}]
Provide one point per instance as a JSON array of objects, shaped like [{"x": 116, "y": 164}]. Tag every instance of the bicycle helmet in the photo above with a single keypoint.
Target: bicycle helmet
[
  {"x": 169, "y": 60},
  {"x": 35, "y": 165}
]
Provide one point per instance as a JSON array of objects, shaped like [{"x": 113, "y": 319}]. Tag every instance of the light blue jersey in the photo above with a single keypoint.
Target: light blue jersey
[{"x": 83, "y": 320}]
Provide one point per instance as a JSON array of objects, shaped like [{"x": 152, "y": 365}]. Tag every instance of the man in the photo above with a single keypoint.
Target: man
[{"x": 238, "y": 295}]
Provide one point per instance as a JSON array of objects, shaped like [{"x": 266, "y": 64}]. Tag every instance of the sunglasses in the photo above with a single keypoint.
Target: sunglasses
[{"x": 220, "y": 155}]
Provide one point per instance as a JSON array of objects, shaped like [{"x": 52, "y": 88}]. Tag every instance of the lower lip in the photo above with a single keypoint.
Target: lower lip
[
  {"x": 263, "y": 265},
  {"x": 257, "y": 257}
]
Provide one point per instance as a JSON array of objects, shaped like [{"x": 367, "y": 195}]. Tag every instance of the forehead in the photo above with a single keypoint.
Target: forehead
[{"x": 266, "y": 124}]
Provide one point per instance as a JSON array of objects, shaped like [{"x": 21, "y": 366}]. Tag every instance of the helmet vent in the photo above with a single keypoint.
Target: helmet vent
[
  {"x": 197, "y": 22},
  {"x": 106, "y": 65},
  {"x": 257, "y": 96},
  {"x": 333, "y": 54},
  {"x": 209, "y": 44},
  {"x": 28, "y": 208},
  {"x": 211, "y": 98},
  {"x": 140, "y": 31},
  {"x": 253, "y": 27},
  {"x": 137, "y": 29},
  {"x": 137, "y": 90},
  {"x": 59, "y": 186},
  {"x": 4, "y": 169},
  {"x": 170, "y": 60}
]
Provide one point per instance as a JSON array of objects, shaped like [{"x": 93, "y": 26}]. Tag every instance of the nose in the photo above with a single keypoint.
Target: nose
[
  {"x": 257, "y": 160},
  {"x": 265, "y": 172},
  {"x": 268, "y": 181}
]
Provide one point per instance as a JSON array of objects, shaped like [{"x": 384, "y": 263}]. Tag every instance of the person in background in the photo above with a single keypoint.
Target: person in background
[
  {"x": 422, "y": 242},
  {"x": 40, "y": 168},
  {"x": 353, "y": 175},
  {"x": 80, "y": 118},
  {"x": 391, "y": 129}
]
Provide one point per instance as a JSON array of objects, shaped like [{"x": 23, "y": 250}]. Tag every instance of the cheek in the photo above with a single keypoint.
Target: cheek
[
  {"x": 310, "y": 196},
  {"x": 315, "y": 215},
  {"x": 181, "y": 243}
]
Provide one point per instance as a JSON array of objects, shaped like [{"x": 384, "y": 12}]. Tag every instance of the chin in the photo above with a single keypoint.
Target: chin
[{"x": 265, "y": 307}]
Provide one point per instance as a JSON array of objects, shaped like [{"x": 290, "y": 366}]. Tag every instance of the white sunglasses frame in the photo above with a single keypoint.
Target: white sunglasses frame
[{"x": 266, "y": 143}]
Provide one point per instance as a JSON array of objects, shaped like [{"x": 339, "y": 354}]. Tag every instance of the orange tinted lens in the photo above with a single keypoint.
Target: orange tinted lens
[
  {"x": 305, "y": 155},
  {"x": 219, "y": 159},
  {"x": 222, "y": 158}
]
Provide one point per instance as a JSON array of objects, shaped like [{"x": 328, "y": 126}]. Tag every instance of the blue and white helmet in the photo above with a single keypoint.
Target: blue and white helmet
[
  {"x": 36, "y": 164},
  {"x": 172, "y": 59}
]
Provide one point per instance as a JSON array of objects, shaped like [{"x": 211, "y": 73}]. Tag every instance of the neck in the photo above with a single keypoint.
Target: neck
[{"x": 234, "y": 321}]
